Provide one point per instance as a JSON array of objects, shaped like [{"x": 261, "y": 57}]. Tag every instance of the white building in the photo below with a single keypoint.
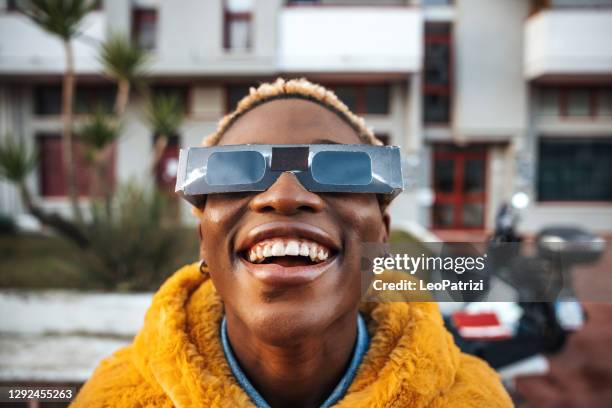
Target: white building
[{"x": 491, "y": 96}]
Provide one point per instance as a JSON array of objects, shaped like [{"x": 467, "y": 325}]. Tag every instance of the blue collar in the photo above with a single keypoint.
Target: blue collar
[{"x": 361, "y": 347}]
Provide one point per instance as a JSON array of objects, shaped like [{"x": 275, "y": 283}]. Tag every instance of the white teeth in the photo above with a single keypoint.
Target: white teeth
[
  {"x": 287, "y": 247},
  {"x": 293, "y": 248},
  {"x": 278, "y": 249},
  {"x": 313, "y": 252},
  {"x": 322, "y": 254}
]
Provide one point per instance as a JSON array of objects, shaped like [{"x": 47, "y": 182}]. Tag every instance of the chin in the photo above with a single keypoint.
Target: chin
[{"x": 283, "y": 323}]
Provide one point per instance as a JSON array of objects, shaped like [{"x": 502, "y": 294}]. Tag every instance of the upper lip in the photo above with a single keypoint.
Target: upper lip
[{"x": 286, "y": 230}]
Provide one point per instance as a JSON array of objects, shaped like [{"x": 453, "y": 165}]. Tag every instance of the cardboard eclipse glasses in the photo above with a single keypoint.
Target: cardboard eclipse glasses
[{"x": 321, "y": 168}]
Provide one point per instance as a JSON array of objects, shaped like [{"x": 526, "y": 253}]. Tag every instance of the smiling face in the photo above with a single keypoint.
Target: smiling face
[{"x": 286, "y": 261}]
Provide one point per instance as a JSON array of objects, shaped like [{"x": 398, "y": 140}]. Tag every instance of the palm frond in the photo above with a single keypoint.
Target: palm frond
[
  {"x": 59, "y": 17},
  {"x": 100, "y": 131},
  {"x": 16, "y": 162},
  {"x": 165, "y": 115},
  {"x": 122, "y": 59}
]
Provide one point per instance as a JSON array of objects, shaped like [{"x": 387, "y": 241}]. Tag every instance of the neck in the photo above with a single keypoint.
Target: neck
[{"x": 301, "y": 373}]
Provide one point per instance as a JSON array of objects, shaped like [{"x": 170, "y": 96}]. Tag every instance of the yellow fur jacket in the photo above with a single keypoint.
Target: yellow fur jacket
[{"x": 177, "y": 360}]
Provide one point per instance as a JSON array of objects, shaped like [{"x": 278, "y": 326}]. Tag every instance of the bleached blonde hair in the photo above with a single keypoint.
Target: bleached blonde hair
[{"x": 299, "y": 88}]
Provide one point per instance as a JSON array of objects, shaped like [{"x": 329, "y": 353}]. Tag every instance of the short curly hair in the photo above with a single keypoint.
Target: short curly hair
[{"x": 299, "y": 88}]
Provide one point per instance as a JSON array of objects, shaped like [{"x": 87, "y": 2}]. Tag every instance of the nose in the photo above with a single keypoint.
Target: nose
[{"x": 286, "y": 196}]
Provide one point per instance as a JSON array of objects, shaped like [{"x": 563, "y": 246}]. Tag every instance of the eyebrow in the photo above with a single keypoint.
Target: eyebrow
[
  {"x": 324, "y": 141},
  {"x": 316, "y": 141}
]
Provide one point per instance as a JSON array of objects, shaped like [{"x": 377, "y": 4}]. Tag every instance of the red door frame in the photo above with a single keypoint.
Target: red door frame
[{"x": 457, "y": 197}]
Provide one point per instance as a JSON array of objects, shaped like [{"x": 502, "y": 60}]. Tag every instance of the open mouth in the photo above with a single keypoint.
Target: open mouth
[{"x": 287, "y": 252}]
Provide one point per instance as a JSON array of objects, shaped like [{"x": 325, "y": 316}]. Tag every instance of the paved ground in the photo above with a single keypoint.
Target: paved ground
[{"x": 61, "y": 336}]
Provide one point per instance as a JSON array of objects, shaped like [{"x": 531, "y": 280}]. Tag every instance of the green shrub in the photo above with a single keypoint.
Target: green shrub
[
  {"x": 140, "y": 244},
  {"x": 7, "y": 225}
]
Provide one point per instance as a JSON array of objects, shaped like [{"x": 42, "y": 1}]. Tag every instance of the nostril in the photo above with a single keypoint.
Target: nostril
[
  {"x": 306, "y": 208},
  {"x": 265, "y": 209}
]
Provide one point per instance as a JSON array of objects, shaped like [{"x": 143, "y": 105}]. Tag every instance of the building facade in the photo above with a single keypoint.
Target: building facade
[{"x": 485, "y": 97}]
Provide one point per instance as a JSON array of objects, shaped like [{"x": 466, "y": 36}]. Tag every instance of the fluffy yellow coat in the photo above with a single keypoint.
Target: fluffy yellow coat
[{"x": 176, "y": 360}]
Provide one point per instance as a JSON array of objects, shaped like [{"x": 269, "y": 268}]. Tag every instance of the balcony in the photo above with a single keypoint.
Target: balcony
[
  {"x": 573, "y": 43},
  {"x": 27, "y": 49},
  {"x": 350, "y": 39}
]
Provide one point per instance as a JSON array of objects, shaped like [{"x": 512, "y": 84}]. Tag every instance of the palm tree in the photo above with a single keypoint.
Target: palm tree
[
  {"x": 63, "y": 18},
  {"x": 16, "y": 163},
  {"x": 98, "y": 135},
  {"x": 125, "y": 63},
  {"x": 165, "y": 115}
]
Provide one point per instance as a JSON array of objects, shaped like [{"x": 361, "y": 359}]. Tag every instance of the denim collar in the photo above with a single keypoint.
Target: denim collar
[{"x": 361, "y": 347}]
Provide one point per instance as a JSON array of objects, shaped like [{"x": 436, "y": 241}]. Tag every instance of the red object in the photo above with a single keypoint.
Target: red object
[
  {"x": 456, "y": 189},
  {"x": 165, "y": 172},
  {"x": 480, "y": 326},
  {"x": 52, "y": 179}
]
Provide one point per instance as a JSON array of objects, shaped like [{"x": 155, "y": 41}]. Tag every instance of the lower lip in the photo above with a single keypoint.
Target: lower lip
[{"x": 278, "y": 275}]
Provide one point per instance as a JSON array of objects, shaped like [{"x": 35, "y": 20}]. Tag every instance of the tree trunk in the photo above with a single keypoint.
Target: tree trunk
[
  {"x": 106, "y": 188},
  {"x": 123, "y": 95},
  {"x": 158, "y": 150},
  {"x": 68, "y": 87},
  {"x": 64, "y": 227}
]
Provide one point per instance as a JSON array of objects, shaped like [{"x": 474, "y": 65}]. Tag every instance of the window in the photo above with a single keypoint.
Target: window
[
  {"x": 88, "y": 98},
  {"x": 437, "y": 82},
  {"x": 144, "y": 27},
  {"x": 604, "y": 106},
  {"x": 579, "y": 3},
  {"x": 237, "y": 25},
  {"x": 376, "y": 99},
  {"x": 234, "y": 93},
  {"x": 575, "y": 102},
  {"x": 361, "y": 99},
  {"x": 459, "y": 181},
  {"x": 549, "y": 102},
  {"x": 437, "y": 2},
  {"x": 51, "y": 175},
  {"x": 384, "y": 138},
  {"x": 575, "y": 169},
  {"x": 301, "y": 2},
  {"x": 348, "y": 95},
  {"x": 538, "y": 5},
  {"x": 578, "y": 102}
]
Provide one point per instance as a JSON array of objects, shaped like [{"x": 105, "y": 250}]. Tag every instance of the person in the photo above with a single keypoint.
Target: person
[{"x": 250, "y": 326}]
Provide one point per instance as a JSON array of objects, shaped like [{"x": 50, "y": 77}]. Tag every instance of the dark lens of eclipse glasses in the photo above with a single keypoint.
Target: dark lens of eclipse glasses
[
  {"x": 342, "y": 168},
  {"x": 233, "y": 168}
]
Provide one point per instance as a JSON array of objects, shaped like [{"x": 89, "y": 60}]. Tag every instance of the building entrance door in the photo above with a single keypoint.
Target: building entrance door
[{"x": 459, "y": 182}]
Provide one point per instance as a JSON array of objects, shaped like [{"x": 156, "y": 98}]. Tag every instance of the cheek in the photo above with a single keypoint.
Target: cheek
[
  {"x": 363, "y": 218},
  {"x": 216, "y": 224}
]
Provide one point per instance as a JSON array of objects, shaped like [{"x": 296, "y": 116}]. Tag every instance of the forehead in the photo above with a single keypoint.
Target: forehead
[{"x": 289, "y": 121}]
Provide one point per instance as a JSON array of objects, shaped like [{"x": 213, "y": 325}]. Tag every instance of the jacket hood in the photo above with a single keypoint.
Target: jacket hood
[{"x": 177, "y": 358}]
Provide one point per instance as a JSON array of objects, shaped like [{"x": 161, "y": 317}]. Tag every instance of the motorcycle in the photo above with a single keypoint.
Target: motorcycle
[{"x": 508, "y": 333}]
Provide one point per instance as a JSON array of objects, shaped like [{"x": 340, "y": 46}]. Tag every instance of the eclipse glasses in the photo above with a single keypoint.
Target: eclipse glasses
[{"x": 320, "y": 168}]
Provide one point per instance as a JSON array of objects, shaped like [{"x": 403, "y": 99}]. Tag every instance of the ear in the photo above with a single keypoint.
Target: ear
[
  {"x": 201, "y": 235},
  {"x": 386, "y": 226}
]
